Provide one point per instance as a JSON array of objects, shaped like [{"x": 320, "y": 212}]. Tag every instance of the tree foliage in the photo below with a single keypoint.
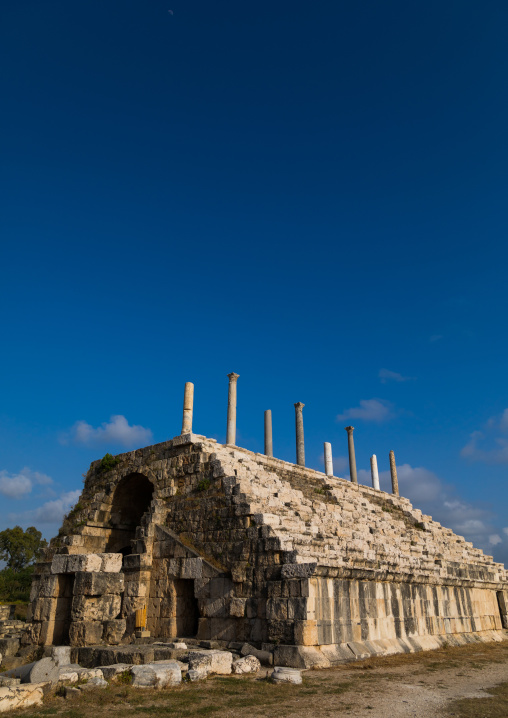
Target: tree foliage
[{"x": 19, "y": 548}]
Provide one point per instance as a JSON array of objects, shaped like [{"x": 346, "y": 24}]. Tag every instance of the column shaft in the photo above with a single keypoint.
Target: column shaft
[
  {"x": 352, "y": 458},
  {"x": 300, "y": 443},
  {"x": 231, "y": 428},
  {"x": 268, "y": 433},
  {"x": 328, "y": 459},
  {"x": 374, "y": 472},
  {"x": 188, "y": 404},
  {"x": 393, "y": 472}
]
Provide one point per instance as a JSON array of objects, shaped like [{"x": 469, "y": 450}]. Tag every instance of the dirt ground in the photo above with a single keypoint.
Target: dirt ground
[{"x": 466, "y": 682}]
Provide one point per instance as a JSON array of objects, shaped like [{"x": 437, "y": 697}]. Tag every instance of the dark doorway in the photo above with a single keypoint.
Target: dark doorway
[
  {"x": 63, "y": 610},
  {"x": 131, "y": 500},
  {"x": 187, "y": 612}
]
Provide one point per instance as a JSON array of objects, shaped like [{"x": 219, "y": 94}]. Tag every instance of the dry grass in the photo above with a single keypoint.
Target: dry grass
[{"x": 339, "y": 691}]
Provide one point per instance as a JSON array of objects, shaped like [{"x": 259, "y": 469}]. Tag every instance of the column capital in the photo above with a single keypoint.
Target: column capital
[
  {"x": 349, "y": 429},
  {"x": 299, "y": 406},
  {"x": 233, "y": 377}
]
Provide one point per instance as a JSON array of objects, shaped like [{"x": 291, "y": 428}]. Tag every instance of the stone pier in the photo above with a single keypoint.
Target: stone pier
[
  {"x": 393, "y": 472},
  {"x": 188, "y": 404},
  {"x": 374, "y": 472},
  {"x": 351, "y": 450},
  {"x": 300, "y": 443},
  {"x": 268, "y": 433},
  {"x": 328, "y": 459},
  {"x": 231, "y": 429}
]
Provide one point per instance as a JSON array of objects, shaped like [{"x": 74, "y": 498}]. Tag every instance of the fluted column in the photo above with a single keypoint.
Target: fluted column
[
  {"x": 328, "y": 459},
  {"x": 352, "y": 458},
  {"x": 374, "y": 472},
  {"x": 268, "y": 433},
  {"x": 188, "y": 405},
  {"x": 231, "y": 429},
  {"x": 300, "y": 443},
  {"x": 393, "y": 472}
]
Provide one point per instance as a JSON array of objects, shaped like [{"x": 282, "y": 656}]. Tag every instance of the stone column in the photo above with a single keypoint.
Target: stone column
[
  {"x": 328, "y": 459},
  {"x": 300, "y": 443},
  {"x": 268, "y": 433},
  {"x": 352, "y": 459},
  {"x": 374, "y": 472},
  {"x": 393, "y": 472},
  {"x": 231, "y": 430},
  {"x": 188, "y": 403}
]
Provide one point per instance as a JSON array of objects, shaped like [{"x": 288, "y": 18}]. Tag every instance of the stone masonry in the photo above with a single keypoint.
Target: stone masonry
[{"x": 219, "y": 543}]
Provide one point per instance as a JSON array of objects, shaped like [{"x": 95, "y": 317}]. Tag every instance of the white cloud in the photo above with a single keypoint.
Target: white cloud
[
  {"x": 505, "y": 530},
  {"x": 15, "y": 486},
  {"x": 491, "y": 444},
  {"x": 376, "y": 410},
  {"x": 494, "y": 539},
  {"x": 51, "y": 512},
  {"x": 115, "y": 431},
  {"x": 386, "y": 375}
]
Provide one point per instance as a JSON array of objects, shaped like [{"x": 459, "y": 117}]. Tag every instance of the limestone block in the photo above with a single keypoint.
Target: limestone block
[
  {"x": 191, "y": 568},
  {"x": 95, "y": 608},
  {"x": 114, "y": 631},
  {"x": 111, "y": 562},
  {"x": 306, "y": 633},
  {"x": 263, "y": 656},
  {"x": 281, "y": 674},
  {"x": 116, "y": 669},
  {"x": 84, "y": 562},
  {"x": 96, "y": 682},
  {"x": 156, "y": 675},
  {"x": 45, "y": 670},
  {"x": 299, "y": 657},
  {"x": 502, "y": 598},
  {"x": 85, "y": 633},
  {"x": 68, "y": 675},
  {"x": 9, "y": 646},
  {"x": 20, "y": 697},
  {"x": 59, "y": 564},
  {"x": 197, "y": 674},
  {"x": 48, "y": 586},
  {"x": 61, "y": 655},
  {"x": 96, "y": 584},
  {"x": 6, "y": 681},
  {"x": 218, "y": 662},
  {"x": 248, "y": 664},
  {"x": 237, "y": 607}
]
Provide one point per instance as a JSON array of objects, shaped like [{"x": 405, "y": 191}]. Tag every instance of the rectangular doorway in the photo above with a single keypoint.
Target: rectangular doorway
[{"x": 187, "y": 611}]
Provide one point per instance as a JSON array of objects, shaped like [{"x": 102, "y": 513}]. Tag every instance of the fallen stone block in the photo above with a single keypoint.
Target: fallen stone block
[
  {"x": 68, "y": 676},
  {"x": 248, "y": 664},
  {"x": 12, "y": 697},
  {"x": 359, "y": 649},
  {"x": 281, "y": 674},
  {"x": 71, "y": 692},
  {"x": 7, "y": 681},
  {"x": 264, "y": 657},
  {"x": 95, "y": 682},
  {"x": 45, "y": 670},
  {"x": 117, "y": 669},
  {"x": 197, "y": 674},
  {"x": 156, "y": 675},
  {"x": 218, "y": 662}
]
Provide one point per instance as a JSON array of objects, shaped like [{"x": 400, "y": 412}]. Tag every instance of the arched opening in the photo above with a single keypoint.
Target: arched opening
[{"x": 131, "y": 500}]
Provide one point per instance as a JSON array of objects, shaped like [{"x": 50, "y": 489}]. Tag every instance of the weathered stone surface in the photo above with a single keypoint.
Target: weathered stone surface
[
  {"x": 95, "y": 682},
  {"x": 111, "y": 562},
  {"x": 12, "y": 697},
  {"x": 43, "y": 671},
  {"x": 300, "y": 657},
  {"x": 281, "y": 674},
  {"x": 85, "y": 633},
  {"x": 8, "y": 681},
  {"x": 84, "y": 562},
  {"x": 156, "y": 675},
  {"x": 61, "y": 655},
  {"x": 114, "y": 631},
  {"x": 9, "y": 646},
  {"x": 218, "y": 662},
  {"x": 264, "y": 657},
  {"x": 97, "y": 584},
  {"x": 111, "y": 672},
  {"x": 95, "y": 608},
  {"x": 248, "y": 664}
]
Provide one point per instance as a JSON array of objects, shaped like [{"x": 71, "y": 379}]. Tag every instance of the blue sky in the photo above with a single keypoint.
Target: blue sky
[{"x": 311, "y": 195}]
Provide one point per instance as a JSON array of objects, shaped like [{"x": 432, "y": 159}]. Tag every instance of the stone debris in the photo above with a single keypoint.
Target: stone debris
[
  {"x": 197, "y": 674},
  {"x": 9, "y": 681},
  {"x": 156, "y": 675},
  {"x": 95, "y": 682},
  {"x": 74, "y": 673},
  {"x": 281, "y": 674},
  {"x": 264, "y": 657},
  {"x": 218, "y": 662},
  {"x": 45, "y": 670},
  {"x": 111, "y": 672},
  {"x": 12, "y": 697},
  {"x": 248, "y": 664}
]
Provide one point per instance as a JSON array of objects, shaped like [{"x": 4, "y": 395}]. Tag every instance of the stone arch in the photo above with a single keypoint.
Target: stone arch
[{"x": 131, "y": 500}]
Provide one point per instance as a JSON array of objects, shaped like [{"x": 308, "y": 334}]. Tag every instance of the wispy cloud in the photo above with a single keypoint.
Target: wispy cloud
[
  {"x": 15, "y": 486},
  {"x": 491, "y": 444},
  {"x": 51, "y": 512},
  {"x": 115, "y": 431},
  {"x": 386, "y": 375},
  {"x": 376, "y": 410},
  {"x": 435, "y": 338}
]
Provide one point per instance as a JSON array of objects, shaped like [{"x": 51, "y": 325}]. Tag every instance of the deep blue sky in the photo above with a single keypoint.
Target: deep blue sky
[{"x": 306, "y": 194}]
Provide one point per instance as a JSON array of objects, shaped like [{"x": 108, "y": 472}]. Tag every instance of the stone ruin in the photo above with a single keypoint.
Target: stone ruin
[{"x": 193, "y": 539}]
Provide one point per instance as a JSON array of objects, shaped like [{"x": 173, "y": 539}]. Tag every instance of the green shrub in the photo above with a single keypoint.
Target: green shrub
[
  {"x": 204, "y": 484},
  {"x": 108, "y": 462}
]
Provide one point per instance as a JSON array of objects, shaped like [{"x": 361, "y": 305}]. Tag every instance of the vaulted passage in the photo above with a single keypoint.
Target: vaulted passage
[{"x": 131, "y": 500}]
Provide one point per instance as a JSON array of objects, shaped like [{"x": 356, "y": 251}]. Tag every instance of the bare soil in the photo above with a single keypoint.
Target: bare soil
[{"x": 460, "y": 682}]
